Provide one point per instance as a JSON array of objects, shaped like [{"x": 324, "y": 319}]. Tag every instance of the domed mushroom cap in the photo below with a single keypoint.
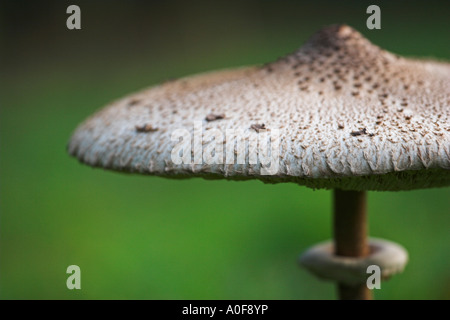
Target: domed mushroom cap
[{"x": 337, "y": 113}]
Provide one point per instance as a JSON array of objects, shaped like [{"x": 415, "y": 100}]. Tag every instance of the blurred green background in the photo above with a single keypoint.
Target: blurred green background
[{"x": 149, "y": 238}]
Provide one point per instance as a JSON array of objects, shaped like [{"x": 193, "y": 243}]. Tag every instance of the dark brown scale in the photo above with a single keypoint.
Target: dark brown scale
[{"x": 214, "y": 117}]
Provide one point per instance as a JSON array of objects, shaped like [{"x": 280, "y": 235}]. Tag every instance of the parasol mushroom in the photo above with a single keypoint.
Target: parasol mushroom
[{"x": 339, "y": 113}]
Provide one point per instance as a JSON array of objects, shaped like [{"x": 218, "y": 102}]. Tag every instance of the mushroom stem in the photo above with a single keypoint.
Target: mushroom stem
[{"x": 350, "y": 236}]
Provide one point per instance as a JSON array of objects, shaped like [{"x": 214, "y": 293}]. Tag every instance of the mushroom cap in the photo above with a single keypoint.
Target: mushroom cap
[{"x": 337, "y": 113}]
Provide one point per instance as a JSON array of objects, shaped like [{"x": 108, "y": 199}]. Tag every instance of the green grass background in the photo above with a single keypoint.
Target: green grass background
[{"x": 149, "y": 238}]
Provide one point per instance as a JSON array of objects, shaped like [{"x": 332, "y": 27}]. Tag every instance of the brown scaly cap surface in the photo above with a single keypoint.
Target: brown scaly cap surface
[{"x": 350, "y": 115}]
